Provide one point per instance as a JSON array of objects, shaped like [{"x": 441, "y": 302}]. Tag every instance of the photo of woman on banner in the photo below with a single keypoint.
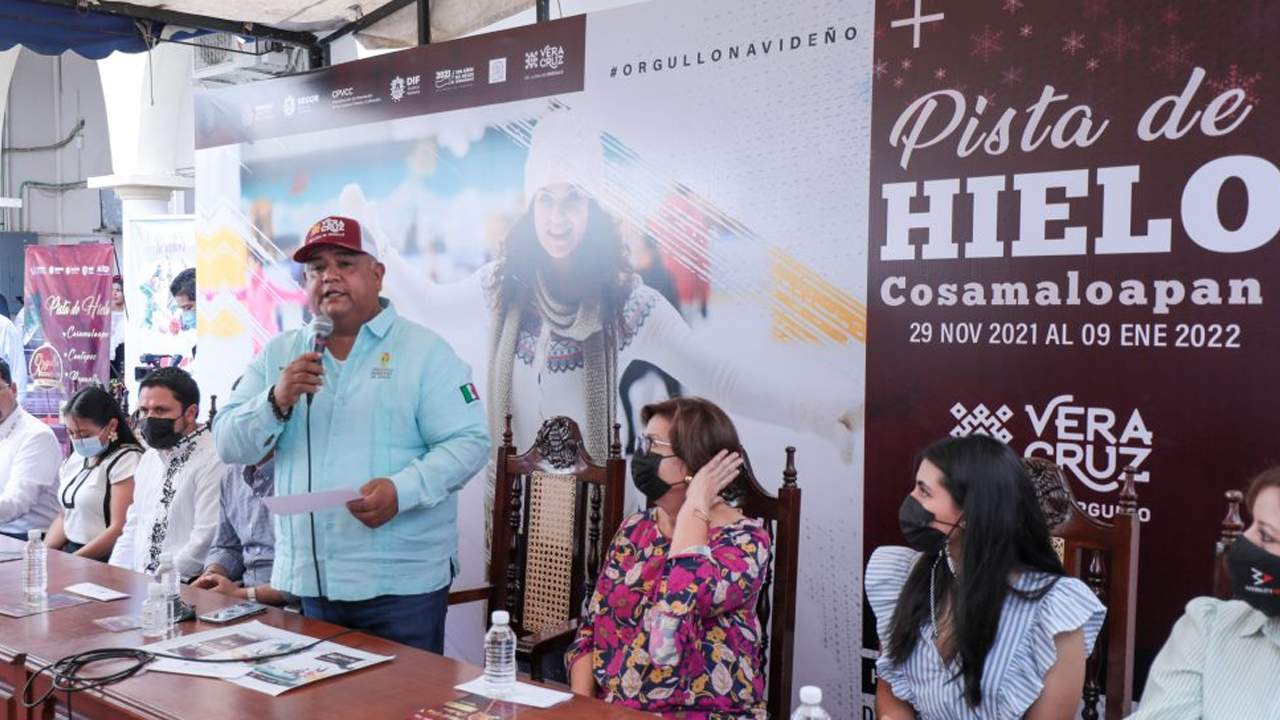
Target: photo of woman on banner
[{"x": 568, "y": 314}]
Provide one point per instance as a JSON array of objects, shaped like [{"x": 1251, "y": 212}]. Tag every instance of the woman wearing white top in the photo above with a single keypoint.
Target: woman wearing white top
[
  {"x": 977, "y": 620},
  {"x": 95, "y": 483},
  {"x": 567, "y": 314}
]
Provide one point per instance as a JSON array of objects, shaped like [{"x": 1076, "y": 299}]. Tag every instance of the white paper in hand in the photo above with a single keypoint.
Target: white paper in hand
[{"x": 310, "y": 502}]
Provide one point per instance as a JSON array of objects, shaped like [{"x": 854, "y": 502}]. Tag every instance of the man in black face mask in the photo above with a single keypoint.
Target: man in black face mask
[{"x": 175, "y": 502}]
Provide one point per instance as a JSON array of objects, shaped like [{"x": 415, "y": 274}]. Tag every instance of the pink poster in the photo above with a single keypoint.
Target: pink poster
[{"x": 69, "y": 292}]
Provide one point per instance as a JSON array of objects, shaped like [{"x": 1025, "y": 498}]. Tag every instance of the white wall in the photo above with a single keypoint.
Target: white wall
[{"x": 47, "y": 97}]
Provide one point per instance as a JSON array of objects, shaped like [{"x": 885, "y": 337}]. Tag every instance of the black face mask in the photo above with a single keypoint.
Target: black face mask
[
  {"x": 160, "y": 433},
  {"x": 915, "y": 519},
  {"x": 644, "y": 475},
  {"x": 1255, "y": 576}
]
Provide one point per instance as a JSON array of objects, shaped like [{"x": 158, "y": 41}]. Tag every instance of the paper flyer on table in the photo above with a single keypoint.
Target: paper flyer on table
[
  {"x": 310, "y": 502},
  {"x": 253, "y": 639},
  {"x": 97, "y": 592},
  {"x": 13, "y": 605},
  {"x": 521, "y": 693}
]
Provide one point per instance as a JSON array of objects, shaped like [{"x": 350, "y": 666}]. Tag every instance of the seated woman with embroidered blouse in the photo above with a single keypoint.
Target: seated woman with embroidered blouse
[
  {"x": 671, "y": 627},
  {"x": 1222, "y": 660},
  {"x": 978, "y": 619}
]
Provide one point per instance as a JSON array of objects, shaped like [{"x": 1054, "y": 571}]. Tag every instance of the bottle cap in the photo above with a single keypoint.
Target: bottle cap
[
  {"x": 34, "y": 534},
  {"x": 155, "y": 590},
  {"x": 811, "y": 695},
  {"x": 501, "y": 617}
]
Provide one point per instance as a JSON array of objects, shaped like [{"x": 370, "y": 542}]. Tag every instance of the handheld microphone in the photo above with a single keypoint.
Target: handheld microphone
[{"x": 321, "y": 328}]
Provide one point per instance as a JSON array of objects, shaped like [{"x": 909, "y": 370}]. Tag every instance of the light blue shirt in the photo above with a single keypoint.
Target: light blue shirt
[{"x": 400, "y": 406}]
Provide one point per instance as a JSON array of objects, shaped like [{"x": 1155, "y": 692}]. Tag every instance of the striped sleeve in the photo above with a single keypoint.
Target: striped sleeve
[
  {"x": 1068, "y": 606},
  {"x": 887, "y": 572},
  {"x": 1175, "y": 687}
]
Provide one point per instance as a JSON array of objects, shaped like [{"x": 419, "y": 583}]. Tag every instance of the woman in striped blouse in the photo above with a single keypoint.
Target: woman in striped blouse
[
  {"x": 977, "y": 620},
  {"x": 1223, "y": 659}
]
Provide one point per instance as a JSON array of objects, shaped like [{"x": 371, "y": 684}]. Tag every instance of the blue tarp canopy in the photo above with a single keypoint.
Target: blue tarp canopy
[{"x": 50, "y": 29}]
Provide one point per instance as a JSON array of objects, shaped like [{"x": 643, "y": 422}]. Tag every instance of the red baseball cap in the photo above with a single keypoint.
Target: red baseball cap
[{"x": 335, "y": 231}]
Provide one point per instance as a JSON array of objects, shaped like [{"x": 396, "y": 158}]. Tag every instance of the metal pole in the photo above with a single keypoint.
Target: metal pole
[
  {"x": 424, "y": 22},
  {"x": 544, "y": 10}
]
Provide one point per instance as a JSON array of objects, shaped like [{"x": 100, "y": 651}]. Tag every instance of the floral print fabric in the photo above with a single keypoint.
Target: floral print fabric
[{"x": 678, "y": 635}]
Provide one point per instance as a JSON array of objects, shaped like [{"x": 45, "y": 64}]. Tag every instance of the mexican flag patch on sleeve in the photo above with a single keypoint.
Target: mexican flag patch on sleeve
[{"x": 469, "y": 393}]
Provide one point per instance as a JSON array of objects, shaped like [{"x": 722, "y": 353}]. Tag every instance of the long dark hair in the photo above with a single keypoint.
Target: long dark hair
[
  {"x": 1004, "y": 532},
  {"x": 599, "y": 261},
  {"x": 96, "y": 405}
]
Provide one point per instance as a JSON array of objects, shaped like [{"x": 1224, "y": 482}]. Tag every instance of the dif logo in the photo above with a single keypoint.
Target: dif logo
[{"x": 1092, "y": 444}]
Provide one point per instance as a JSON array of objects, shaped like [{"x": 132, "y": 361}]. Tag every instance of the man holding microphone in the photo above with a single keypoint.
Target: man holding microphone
[{"x": 382, "y": 406}]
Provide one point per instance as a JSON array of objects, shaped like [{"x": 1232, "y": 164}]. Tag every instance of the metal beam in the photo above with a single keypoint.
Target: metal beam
[
  {"x": 200, "y": 22},
  {"x": 544, "y": 10},
  {"x": 424, "y": 22},
  {"x": 366, "y": 20}
]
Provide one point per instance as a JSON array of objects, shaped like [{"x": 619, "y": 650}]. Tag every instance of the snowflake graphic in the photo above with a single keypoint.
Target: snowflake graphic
[
  {"x": 1093, "y": 64},
  {"x": 1094, "y": 9},
  {"x": 940, "y": 74},
  {"x": 1025, "y": 31},
  {"x": 989, "y": 96},
  {"x": 1120, "y": 40},
  {"x": 1172, "y": 57},
  {"x": 1011, "y": 77},
  {"x": 1171, "y": 15},
  {"x": 898, "y": 82},
  {"x": 986, "y": 43},
  {"x": 1073, "y": 43},
  {"x": 1238, "y": 80},
  {"x": 881, "y": 69},
  {"x": 906, "y": 64},
  {"x": 1012, "y": 6}
]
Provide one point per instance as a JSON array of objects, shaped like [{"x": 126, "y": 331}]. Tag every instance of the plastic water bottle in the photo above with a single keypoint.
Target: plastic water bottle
[
  {"x": 155, "y": 612},
  {"x": 500, "y": 656},
  {"x": 168, "y": 578},
  {"x": 810, "y": 705},
  {"x": 35, "y": 576}
]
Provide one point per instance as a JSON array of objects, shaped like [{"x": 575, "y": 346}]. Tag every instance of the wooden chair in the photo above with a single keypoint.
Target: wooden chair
[
  {"x": 1105, "y": 556},
  {"x": 776, "y": 607},
  {"x": 555, "y": 512},
  {"x": 1232, "y": 527}
]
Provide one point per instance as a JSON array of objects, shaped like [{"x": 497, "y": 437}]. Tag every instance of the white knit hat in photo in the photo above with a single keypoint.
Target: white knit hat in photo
[{"x": 563, "y": 148}]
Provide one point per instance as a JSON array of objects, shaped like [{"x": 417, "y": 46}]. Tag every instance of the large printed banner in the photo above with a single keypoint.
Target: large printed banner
[
  {"x": 158, "y": 248},
  {"x": 1073, "y": 209},
  {"x": 68, "y": 288},
  {"x": 721, "y": 167}
]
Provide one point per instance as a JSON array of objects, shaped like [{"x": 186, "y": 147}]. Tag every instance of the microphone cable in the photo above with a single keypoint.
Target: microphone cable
[
  {"x": 69, "y": 676},
  {"x": 311, "y": 516}
]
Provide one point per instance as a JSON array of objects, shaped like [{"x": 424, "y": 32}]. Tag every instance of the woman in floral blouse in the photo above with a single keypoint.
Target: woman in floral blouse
[{"x": 672, "y": 626}]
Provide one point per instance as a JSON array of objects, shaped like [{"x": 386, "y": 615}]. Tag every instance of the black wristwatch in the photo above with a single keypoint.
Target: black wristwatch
[{"x": 281, "y": 415}]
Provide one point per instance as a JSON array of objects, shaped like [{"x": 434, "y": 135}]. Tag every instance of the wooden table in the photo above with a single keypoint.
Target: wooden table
[{"x": 392, "y": 690}]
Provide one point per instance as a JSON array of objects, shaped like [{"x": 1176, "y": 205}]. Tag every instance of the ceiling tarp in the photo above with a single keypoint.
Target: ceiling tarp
[
  {"x": 51, "y": 28},
  {"x": 54, "y": 29},
  {"x": 450, "y": 19}
]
